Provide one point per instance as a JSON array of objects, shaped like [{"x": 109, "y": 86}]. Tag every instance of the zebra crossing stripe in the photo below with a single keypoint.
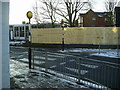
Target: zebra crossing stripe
[
  {"x": 82, "y": 72},
  {"x": 62, "y": 63},
  {"x": 53, "y": 66}
]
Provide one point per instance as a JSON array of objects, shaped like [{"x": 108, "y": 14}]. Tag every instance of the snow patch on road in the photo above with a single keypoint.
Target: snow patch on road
[
  {"x": 113, "y": 53},
  {"x": 107, "y": 54}
]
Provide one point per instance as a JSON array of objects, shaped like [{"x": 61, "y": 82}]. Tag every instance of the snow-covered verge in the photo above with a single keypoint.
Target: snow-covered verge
[
  {"x": 107, "y": 54},
  {"x": 72, "y": 80},
  {"x": 22, "y": 77},
  {"x": 113, "y": 53}
]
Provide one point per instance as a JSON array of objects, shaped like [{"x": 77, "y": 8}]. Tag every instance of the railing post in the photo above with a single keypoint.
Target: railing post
[
  {"x": 118, "y": 49},
  {"x": 99, "y": 48},
  {"x": 29, "y": 57},
  {"x": 33, "y": 58},
  {"x": 79, "y": 70},
  {"x": 46, "y": 61}
]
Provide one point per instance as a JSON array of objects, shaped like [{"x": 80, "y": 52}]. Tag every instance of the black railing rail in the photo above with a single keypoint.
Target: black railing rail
[{"x": 102, "y": 73}]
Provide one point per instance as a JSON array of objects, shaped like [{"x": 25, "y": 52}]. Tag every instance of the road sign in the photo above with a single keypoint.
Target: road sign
[{"x": 29, "y": 15}]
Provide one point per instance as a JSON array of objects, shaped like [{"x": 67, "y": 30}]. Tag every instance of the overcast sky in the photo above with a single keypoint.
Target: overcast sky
[{"x": 19, "y": 8}]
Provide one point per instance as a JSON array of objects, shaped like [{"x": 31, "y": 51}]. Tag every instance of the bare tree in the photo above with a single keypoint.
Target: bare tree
[
  {"x": 110, "y": 6},
  {"x": 67, "y": 9},
  {"x": 36, "y": 14},
  {"x": 46, "y": 11},
  {"x": 71, "y": 10}
]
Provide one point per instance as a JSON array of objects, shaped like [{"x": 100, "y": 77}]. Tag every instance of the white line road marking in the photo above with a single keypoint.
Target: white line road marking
[
  {"x": 20, "y": 56},
  {"x": 62, "y": 63},
  {"x": 53, "y": 66},
  {"x": 41, "y": 62},
  {"x": 89, "y": 66},
  {"x": 25, "y": 52},
  {"x": 72, "y": 60},
  {"x": 56, "y": 56},
  {"x": 24, "y": 59},
  {"x": 63, "y": 55},
  {"x": 82, "y": 72},
  {"x": 43, "y": 58}
]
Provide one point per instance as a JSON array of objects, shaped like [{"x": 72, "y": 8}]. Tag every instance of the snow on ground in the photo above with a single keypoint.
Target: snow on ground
[
  {"x": 107, "y": 54},
  {"x": 16, "y": 42},
  {"x": 22, "y": 77},
  {"x": 113, "y": 53},
  {"x": 72, "y": 81}
]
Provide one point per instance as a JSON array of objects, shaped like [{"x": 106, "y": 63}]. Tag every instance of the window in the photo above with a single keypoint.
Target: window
[
  {"x": 106, "y": 19},
  {"x": 27, "y": 28},
  {"x": 16, "y": 31},
  {"x": 93, "y": 18},
  {"x": 22, "y": 31}
]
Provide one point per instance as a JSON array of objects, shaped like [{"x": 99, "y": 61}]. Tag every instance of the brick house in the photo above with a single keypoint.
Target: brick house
[{"x": 94, "y": 19}]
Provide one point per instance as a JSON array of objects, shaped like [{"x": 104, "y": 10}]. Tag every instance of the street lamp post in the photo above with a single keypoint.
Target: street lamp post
[
  {"x": 29, "y": 16},
  {"x": 62, "y": 25}
]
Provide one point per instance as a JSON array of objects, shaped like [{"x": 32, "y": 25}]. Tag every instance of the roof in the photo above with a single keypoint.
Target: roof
[
  {"x": 99, "y": 14},
  {"x": 17, "y": 25}
]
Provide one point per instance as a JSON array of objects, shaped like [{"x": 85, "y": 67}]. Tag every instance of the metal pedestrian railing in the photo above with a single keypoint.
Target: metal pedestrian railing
[{"x": 90, "y": 72}]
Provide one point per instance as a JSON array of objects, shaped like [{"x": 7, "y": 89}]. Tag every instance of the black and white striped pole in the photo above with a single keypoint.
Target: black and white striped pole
[
  {"x": 62, "y": 25},
  {"x": 29, "y": 16}
]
